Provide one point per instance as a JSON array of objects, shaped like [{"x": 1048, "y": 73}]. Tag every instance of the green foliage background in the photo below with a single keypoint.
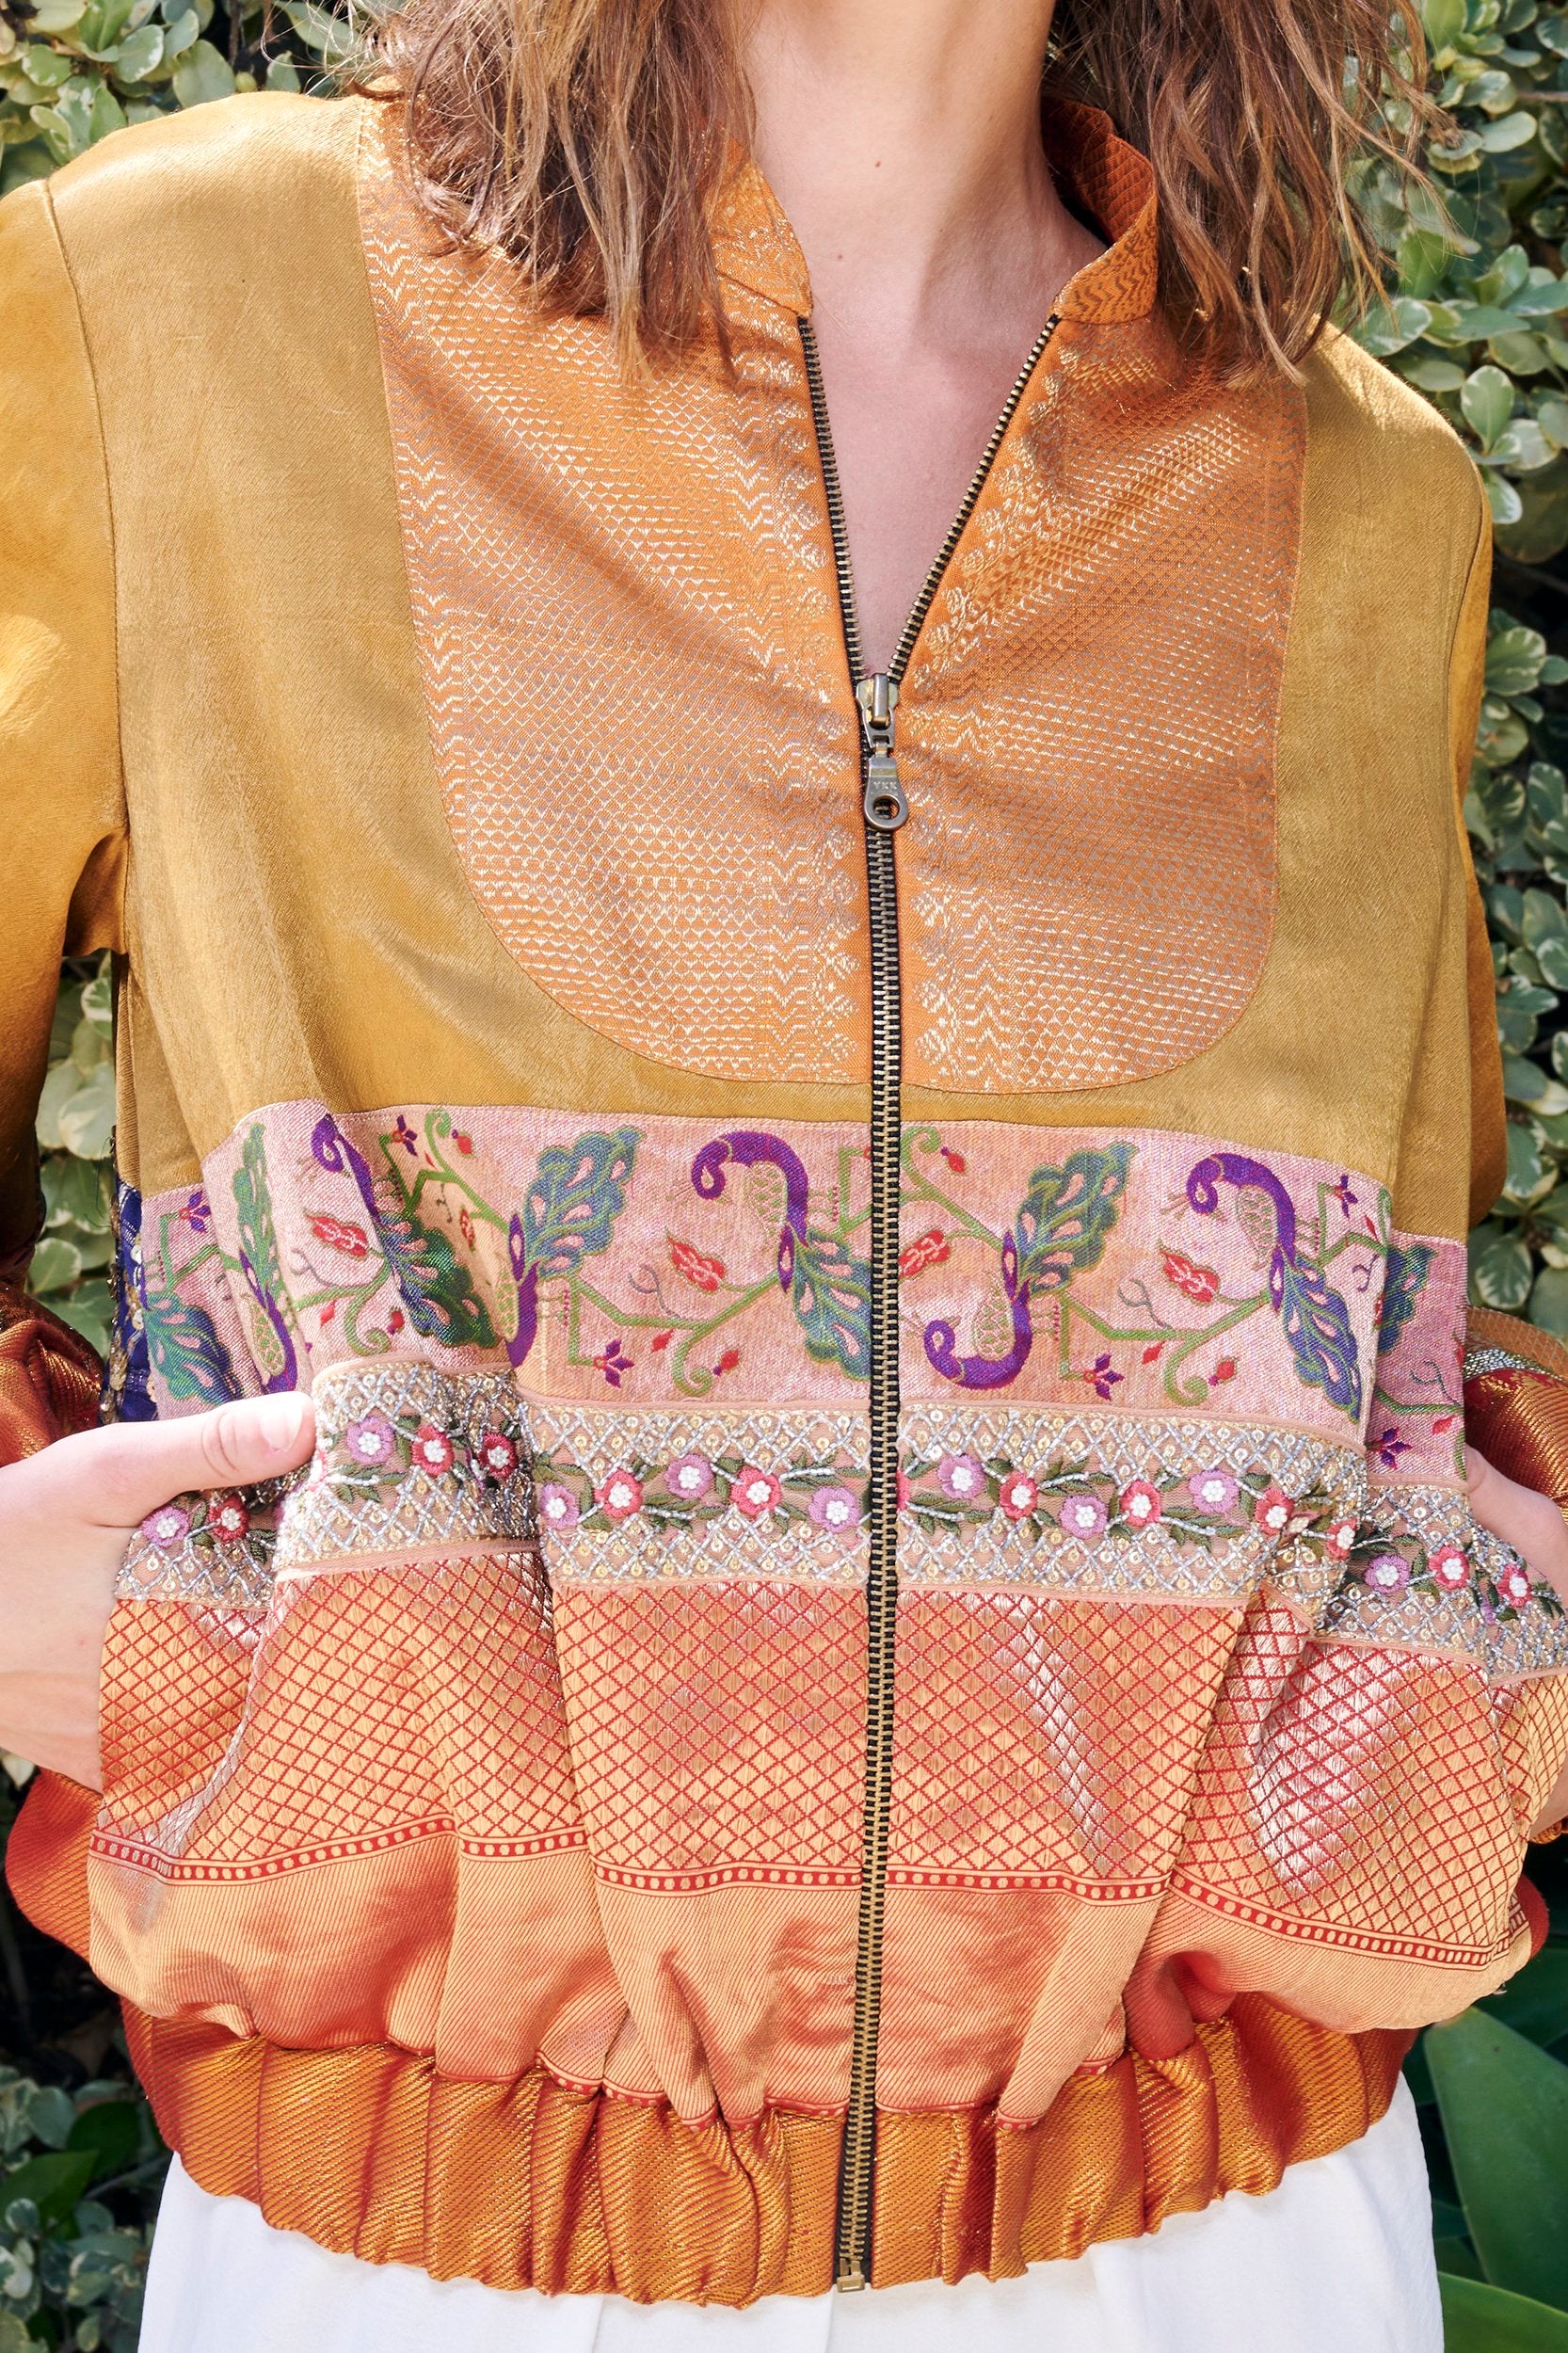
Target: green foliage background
[{"x": 1476, "y": 319}]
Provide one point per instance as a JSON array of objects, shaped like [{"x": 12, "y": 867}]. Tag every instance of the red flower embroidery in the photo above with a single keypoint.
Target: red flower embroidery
[
  {"x": 338, "y": 1234},
  {"x": 1271, "y": 1512},
  {"x": 955, "y": 1160},
  {"x": 394, "y": 1321},
  {"x": 1192, "y": 1280},
  {"x": 755, "y": 1491},
  {"x": 1153, "y": 1350},
  {"x": 1225, "y": 1370},
  {"x": 1141, "y": 1504},
  {"x": 432, "y": 1449},
  {"x": 1450, "y": 1567},
  {"x": 728, "y": 1361},
  {"x": 926, "y": 1250},
  {"x": 228, "y": 1518},
  {"x": 620, "y": 1495},
  {"x": 1018, "y": 1494},
  {"x": 662, "y": 1339},
  {"x": 498, "y": 1456},
  {"x": 465, "y": 1224},
  {"x": 463, "y": 1143},
  {"x": 703, "y": 1274}
]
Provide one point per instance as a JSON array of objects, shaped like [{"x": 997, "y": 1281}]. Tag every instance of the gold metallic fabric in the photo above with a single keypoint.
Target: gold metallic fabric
[{"x": 536, "y": 2183}]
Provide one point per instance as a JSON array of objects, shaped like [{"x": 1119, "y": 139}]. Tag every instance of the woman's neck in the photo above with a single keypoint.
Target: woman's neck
[{"x": 902, "y": 138}]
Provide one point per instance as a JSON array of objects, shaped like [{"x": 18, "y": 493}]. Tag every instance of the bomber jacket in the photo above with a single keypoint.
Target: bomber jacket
[{"x": 883, "y": 1669}]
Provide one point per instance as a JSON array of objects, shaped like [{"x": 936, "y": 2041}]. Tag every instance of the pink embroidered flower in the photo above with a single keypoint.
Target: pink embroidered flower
[
  {"x": 1019, "y": 1494},
  {"x": 1082, "y": 1514},
  {"x": 1450, "y": 1567},
  {"x": 690, "y": 1477},
  {"x": 1141, "y": 1504},
  {"x": 1213, "y": 1490},
  {"x": 620, "y": 1495},
  {"x": 498, "y": 1456},
  {"x": 371, "y": 1440},
  {"x": 1514, "y": 1584},
  {"x": 961, "y": 1477},
  {"x": 1388, "y": 1573},
  {"x": 168, "y": 1526},
  {"x": 228, "y": 1518},
  {"x": 1339, "y": 1538},
  {"x": 834, "y": 1509},
  {"x": 755, "y": 1491},
  {"x": 431, "y": 1449},
  {"x": 558, "y": 1506},
  {"x": 1271, "y": 1512}
]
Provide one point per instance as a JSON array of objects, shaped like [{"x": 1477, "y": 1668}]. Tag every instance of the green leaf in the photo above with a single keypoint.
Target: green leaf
[
  {"x": 1535, "y": 2003},
  {"x": 56, "y": 1266},
  {"x": 110, "y": 2130},
  {"x": 1504, "y": 2105},
  {"x": 1422, "y": 258},
  {"x": 1481, "y": 2319},
  {"x": 1389, "y": 327},
  {"x": 1504, "y": 500},
  {"x": 1500, "y": 1269},
  {"x": 52, "y": 2183},
  {"x": 202, "y": 74},
  {"x": 140, "y": 53},
  {"x": 1444, "y": 20},
  {"x": 1514, "y": 659},
  {"x": 87, "y": 1118},
  {"x": 1437, "y": 376},
  {"x": 1507, "y": 133},
  {"x": 1487, "y": 400}
]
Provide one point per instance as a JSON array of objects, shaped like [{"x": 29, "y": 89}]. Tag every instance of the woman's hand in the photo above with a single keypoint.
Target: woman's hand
[
  {"x": 66, "y": 1516},
  {"x": 1538, "y": 1532}
]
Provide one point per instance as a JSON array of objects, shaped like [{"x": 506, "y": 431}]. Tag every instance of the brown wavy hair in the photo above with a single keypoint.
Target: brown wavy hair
[{"x": 586, "y": 138}]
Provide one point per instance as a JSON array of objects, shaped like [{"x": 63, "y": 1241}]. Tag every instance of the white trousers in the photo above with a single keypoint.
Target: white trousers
[{"x": 1336, "y": 2260}]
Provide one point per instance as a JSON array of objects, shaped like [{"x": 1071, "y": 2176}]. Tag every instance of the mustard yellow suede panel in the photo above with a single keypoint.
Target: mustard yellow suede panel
[{"x": 59, "y": 770}]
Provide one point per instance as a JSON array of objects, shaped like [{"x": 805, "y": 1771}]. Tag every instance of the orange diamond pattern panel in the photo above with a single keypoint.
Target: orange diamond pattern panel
[
  {"x": 1359, "y": 1791},
  {"x": 717, "y": 1727},
  {"x": 379, "y": 1702},
  {"x": 1037, "y": 1733},
  {"x": 173, "y": 1692}
]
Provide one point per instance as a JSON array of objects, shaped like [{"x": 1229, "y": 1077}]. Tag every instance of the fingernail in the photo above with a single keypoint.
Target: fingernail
[{"x": 279, "y": 1422}]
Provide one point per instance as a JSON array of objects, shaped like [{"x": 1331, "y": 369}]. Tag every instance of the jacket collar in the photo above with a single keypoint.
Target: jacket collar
[{"x": 1103, "y": 178}]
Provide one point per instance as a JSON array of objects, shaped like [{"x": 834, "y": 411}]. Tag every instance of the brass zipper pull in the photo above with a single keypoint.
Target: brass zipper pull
[{"x": 884, "y": 803}]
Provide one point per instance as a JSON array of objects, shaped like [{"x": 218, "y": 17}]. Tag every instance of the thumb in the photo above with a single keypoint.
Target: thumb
[{"x": 115, "y": 1475}]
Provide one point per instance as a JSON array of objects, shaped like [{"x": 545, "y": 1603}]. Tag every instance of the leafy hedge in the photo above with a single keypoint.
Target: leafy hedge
[{"x": 1476, "y": 319}]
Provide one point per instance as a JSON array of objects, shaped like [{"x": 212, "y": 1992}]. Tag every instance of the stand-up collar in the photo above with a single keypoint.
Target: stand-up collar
[{"x": 1103, "y": 178}]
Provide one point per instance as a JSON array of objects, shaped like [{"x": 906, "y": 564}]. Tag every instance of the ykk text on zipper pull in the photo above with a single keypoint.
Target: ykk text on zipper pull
[{"x": 884, "y": 804}]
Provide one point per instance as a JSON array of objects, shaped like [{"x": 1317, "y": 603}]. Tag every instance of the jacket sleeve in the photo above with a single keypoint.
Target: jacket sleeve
[{"x": 61, "y": 803}]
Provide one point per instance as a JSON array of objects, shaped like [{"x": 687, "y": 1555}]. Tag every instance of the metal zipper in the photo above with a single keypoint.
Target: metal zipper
[{"x": 884, "y": 808}]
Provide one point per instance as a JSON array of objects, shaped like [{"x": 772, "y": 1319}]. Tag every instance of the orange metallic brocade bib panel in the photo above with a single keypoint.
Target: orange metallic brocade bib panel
[{"x": 649, "y": 774}]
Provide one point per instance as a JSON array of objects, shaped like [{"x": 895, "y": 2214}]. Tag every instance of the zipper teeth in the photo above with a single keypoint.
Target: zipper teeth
[
  {"x": 933, "y": 581},
  {"x": 834, "y": 496},
  {"x": 853, "y": 2239}
]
